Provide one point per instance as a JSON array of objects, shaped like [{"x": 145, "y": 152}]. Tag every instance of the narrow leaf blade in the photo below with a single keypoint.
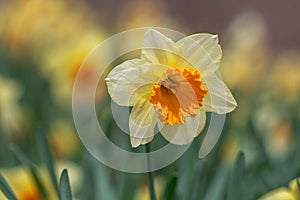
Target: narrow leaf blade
[
  {"x": 6, "y": 189},
  {"x": 64, "y": 186},
  {"x": 46, "y": 157},
  {"x": 170, "y": 188},
  {"x": 25, "y": 161},
  {"x": 235, "y": 183}
]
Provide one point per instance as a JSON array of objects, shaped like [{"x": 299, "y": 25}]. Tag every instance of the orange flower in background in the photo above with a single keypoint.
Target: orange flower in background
[{"x": 23, "y": 185}]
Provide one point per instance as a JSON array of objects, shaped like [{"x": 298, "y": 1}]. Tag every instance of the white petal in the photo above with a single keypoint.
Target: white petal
[
  {"x": 219, "y": 98},
  {"x": 129, "y": 81},
  {"x": 202, "y": 121},
  {"x": 142, "y": 121},
  {"x": 159, "y": 49},
  {"x": 184, "y": 134},
  {"x": 202, "y": 51}
]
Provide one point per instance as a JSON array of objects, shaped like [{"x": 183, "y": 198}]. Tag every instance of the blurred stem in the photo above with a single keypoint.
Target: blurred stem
[{"x": 150, "y": 175}]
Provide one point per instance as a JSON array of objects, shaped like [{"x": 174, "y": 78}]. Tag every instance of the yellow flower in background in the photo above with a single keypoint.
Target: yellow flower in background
[
  {"x": 61, "y": 63},
  {"x": 143, "y": 190},
  {"x": 143, "y": 13},
  {"x": 12, "y": 118},
  {"x": 55, "y": 35},
  {"x": 31, "y": 24},
  {"x": 172, "y": 85},
  {"x": 22, "y": 183},
  {"x": 290, "y": 193},
  {"x": 63, "y": 139},
  {"x": 286, "y": 71},
  {"x": 247, "y": 53}
]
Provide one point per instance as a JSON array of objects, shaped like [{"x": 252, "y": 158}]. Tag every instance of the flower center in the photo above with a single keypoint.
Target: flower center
[{"x": 178, "y": 95}]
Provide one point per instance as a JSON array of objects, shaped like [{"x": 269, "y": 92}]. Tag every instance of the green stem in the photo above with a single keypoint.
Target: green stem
[{"x": 150, "y": 175}]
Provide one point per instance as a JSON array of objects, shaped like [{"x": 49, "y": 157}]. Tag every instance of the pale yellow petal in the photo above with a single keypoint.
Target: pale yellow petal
[
  {"x": 211, "y": 44},
  {"x": 184, "y": 134},
  {"x": 202, "y": 51},
  {"x": 147, "y": 140},
  {"x": 279, "y": 194},
  {"x": 219, "y": 98},
  {"x": 130, "y": 81},
  {"x": 142, "y": 121},
  {"x": 295, "y": 190},
  {"x": 159, "y": 49}
]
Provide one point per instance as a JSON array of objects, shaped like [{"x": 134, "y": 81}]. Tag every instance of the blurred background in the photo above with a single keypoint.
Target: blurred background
[{"x": 42, "y": 45}]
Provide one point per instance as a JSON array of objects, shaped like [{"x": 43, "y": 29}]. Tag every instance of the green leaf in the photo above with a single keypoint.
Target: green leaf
[
  {"x": 170, "y": 188},
  {"x": 235, "y": 182},
  {"x": 217, "y": 187},
  {"x": 5, "y": 155},
  {"x": 6, "y": 189},
  {"x": 25, "y": 161},
  {"x": 187, "y": 177},
  {"x": 199, "y": 188},
  {"x": 298, "y": 183},
  {"x": 102, "y": 181},
  {"x": 46, "y": 157},
  {"x": 64, "y": 186},
  {"x": 258, "y": 140}
]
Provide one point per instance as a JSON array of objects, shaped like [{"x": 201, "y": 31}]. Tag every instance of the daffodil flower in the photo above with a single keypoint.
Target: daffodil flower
[{"x": 172, "y": 86}]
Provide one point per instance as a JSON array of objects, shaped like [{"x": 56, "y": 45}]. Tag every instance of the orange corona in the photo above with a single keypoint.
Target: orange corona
[{"x": 179, "y": 94}]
